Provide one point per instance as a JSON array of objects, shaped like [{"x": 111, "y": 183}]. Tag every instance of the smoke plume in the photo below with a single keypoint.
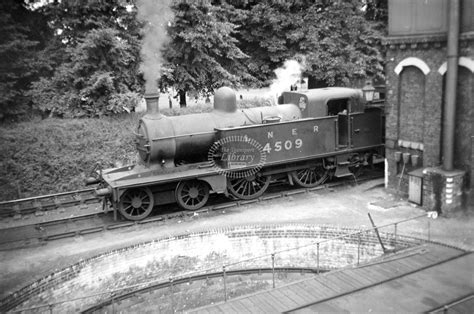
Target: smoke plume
[
  {"x": 156, "y": 14},
  {"x": 286, "y": 76}
]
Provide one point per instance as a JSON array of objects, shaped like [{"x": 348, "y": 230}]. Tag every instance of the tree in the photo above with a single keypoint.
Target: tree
[
  {"x": 269, "y": 32},
  {"x": 377, "y": 10},
  {"x": 95, "y": 81},
  {"x": 333, "y": 38},
  {"x": 22, "y": 35},
  {"x": 340, "y": 45},
  {"x": 96, "y": 70},
  {"x": 203, "y": 53}
]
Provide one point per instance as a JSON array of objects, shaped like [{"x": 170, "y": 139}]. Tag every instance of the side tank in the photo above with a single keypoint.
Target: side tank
[{"x": 187, "y": 139}]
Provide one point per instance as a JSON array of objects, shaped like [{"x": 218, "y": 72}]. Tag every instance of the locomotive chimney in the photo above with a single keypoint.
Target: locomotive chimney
[{"x": 152, "y": 104}]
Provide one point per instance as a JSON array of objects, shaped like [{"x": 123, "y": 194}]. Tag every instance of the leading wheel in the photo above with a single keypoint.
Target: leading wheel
[
  {"x": 136, "y": 204},
  {"x": 249, "y": 187},
  {"x": 310, "y": 177},
  {"x": 192, "y": 195}
]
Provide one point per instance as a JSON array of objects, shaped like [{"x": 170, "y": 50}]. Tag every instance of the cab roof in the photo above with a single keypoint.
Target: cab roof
[{"x": 322, "y": 95}]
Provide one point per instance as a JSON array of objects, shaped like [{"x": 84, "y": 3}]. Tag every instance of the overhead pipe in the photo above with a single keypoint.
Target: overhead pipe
[{"x": 451, "y": 84}]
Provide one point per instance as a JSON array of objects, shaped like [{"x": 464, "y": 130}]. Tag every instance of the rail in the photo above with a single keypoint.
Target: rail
[
  {"x": 224, "y": 270},
  {"x": 41, "y": 229},
  {"x": 44, "y": 202},
  {"x": 32, "y": 205}
]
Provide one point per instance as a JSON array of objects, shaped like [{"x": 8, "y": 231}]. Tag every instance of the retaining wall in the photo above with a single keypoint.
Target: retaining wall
[{"x": 191, "y": 254}]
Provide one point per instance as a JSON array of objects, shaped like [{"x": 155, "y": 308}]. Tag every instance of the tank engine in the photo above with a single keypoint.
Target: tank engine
[{"x": 309, "y": 137}]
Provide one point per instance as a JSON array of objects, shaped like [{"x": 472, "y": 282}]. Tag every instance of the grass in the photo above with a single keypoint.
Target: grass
[{"x": 55, "y": 155}]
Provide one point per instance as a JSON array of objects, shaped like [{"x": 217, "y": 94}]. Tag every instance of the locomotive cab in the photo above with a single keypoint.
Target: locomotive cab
[
  {"x": 327, "y": 101},
  {"x": 356, "y": 125}
]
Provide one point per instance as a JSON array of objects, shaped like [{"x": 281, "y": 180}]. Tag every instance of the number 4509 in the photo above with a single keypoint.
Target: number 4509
[{"x": 286, "y": 145}]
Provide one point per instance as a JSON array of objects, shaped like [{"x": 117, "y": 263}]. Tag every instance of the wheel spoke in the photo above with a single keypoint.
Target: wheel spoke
[
  {"x": 192, "y": 195},
  {"x": 128, "y": 208},
  {"x": 249, "y": 187},
  {"x": 253, "y": 189},
  {"x": 310, "y": 177},
  {"x": 242, "y": 185},
  {"x": 136, "y": 204}
]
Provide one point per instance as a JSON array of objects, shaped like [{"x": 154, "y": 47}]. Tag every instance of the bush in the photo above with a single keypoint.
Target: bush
[{"x": 55, "y": 155}]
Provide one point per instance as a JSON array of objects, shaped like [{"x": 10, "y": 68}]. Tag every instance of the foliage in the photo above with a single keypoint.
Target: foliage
[
  {"x": 54, "y": 155},
  {"x": 340, "y": 45},
  {"x": 336, "y": 41},
  {"x": 267, "y": 34},
  {"x": 377, "y": 10},
  {"x": 22, "y": 31},
  {"x": 83, "y": 56},
  {"x": 98, "y": 67},
  {"x": 94, "y": 80},
  {"x": 332, "y": 39},
  {"x": 203, "y": 53}
]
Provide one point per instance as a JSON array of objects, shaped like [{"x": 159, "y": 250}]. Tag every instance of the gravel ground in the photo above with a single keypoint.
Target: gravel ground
[{"x": 346, "y": 206}]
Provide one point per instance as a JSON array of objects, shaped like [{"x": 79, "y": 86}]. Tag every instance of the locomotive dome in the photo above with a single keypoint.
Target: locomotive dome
[{"x": 225, "y": 99}]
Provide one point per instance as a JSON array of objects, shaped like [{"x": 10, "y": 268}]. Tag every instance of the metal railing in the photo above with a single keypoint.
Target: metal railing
[{"x": 174, "y": 280}]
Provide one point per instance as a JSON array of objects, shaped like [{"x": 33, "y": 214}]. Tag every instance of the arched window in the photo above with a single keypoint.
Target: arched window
[
  {"x": 463, "y": 61},
  {"x": 412, "y": 61},
  {"x": 411, "y": 101}
]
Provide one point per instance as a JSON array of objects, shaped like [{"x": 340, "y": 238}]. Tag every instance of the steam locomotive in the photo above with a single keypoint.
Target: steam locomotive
[{"x": 309, "y": 137}]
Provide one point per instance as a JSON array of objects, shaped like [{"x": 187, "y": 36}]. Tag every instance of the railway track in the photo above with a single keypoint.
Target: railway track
[
  {"x": 100, "y": 221},
  {"x": 26, "y": 206}
]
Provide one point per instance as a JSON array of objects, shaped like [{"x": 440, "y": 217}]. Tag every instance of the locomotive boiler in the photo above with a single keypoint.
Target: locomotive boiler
[
  {"x": 308, "y": 137},
  {"x": 187, "y": 139}
]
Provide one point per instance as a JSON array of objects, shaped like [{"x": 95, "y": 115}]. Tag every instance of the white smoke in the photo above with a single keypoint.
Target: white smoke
[
  {"x": 156, "y": 15},
  {"x": 286, "y": 76}
]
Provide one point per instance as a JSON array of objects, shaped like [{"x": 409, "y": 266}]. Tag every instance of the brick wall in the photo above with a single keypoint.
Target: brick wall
[
  {"x": 412, "y": 104},
  {"x": 199, "y": 253},
  {"x": 414, "y": 111}
]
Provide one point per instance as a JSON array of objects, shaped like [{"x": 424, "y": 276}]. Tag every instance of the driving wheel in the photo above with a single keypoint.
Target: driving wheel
[
  {"x": 248, "y": 188},
  {"x": 310, "y": 177}
]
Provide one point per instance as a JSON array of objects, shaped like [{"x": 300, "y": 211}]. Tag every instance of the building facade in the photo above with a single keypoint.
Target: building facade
[{"x": 418, "y": 107}]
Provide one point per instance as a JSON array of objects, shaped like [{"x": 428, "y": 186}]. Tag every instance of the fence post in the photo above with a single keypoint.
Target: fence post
[
  {"x": 50, "y": 306},
  {"x": 317, "y": 258},
  {"x": 429, "y": 231},
  {"x": 395, "y": 233},
  {"x": 273, "y": 269},
  {"x": 171, "y": 295},
  {"x": 225, "y": 285},
  {"x": 358, "y": 249}
]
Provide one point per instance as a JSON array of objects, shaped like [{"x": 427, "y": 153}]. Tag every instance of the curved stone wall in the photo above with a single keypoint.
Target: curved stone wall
[{"x": 91, "y": 281}]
